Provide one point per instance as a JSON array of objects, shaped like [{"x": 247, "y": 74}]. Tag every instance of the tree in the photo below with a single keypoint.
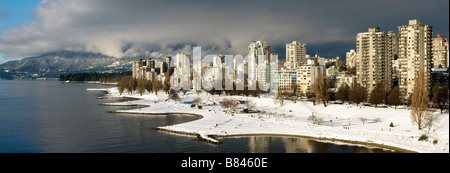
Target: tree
[
  {"x": 435, "y": 89},
  {"x": 343, "y": 93},
  {"x": 132, "y": 84},
  {"x": 358, "y": 94},
  {"x": 140, "y": 87},
  {"x": 149, "y": 86},
  {"x": 123, "y": 83},
  {"x": 311, "y": 96},
  {"x": 228, "y": 103},
  {"x": 166, "y": 82},
  {"x": 281, "y": 97},
  {"x": 321, "y": 86},
  {"x": 394, "y": 97},
  {"x": 293, "y": 95},
  {"x": 377, "y": 95},
  {"x": 419, "y": 100},
  {"x": 173, "y": 95},
  {"x": 156, "y": 86},
  {"x": 440, "y": 97}
]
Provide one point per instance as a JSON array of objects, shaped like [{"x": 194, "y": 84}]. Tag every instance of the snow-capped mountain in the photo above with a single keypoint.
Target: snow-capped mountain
[{"x": 52, "y": 65}]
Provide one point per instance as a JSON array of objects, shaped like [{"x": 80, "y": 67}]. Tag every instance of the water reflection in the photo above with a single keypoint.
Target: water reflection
[{"x": 270, "y": 144}]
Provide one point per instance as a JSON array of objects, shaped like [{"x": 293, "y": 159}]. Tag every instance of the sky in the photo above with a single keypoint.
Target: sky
[{"x": 159, "y": 28}]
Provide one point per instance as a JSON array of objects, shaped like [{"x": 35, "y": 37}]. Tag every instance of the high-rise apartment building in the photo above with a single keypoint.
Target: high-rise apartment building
[
  {"x": 440, "y": 51},
  {"x": 350, "y": 58},
  {"x": 374, "y": 51},
  {"x": 144, "y": 69},
  {"x": 300, "y": 80},
  {"x": 295, "y": 55},
  {"x": 307, "y": 74},
  {"x": 259, "y": 64},
  {"x": 287, "y": 80},
  {"x": 414, "y": 54}
]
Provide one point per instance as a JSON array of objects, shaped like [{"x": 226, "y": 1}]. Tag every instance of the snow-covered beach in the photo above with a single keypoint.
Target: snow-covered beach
[{"x": 345, "y": 123}]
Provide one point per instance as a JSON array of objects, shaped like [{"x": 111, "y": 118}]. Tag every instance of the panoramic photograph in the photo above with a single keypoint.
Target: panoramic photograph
[{"x": 224, "y": 77}]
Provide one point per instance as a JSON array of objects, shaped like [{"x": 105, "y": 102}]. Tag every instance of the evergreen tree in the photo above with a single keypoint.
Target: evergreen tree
[
  {"x": 435, "y": 89},
  {"x": 440, "y": 97}
]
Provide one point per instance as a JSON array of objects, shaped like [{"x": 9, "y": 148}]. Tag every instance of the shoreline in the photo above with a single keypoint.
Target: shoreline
[
  {"x": 402, "y": 140},
  {"x": 211, "y": 138}
]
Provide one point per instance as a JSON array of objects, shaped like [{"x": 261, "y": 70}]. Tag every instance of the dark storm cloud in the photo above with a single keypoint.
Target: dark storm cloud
[{"x": 157, "y": 28}]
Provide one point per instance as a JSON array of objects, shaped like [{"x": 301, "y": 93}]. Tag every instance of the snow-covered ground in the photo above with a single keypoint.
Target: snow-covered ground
[{"x": 367, "y": 125}]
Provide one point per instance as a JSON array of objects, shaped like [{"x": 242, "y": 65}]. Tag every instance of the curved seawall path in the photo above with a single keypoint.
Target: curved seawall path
[{"x": 215, "y": 122}]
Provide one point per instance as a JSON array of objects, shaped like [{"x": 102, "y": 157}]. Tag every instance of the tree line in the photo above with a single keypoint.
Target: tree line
[
  {"x": 141, "y": 86},
  {"x": 379, "y": 95},
  {"x": 94, "y": 76},
  {"x": 419, "y": 100}
]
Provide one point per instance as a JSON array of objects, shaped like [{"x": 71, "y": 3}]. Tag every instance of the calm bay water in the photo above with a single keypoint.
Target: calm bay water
[{"x": 54, "y": 117}]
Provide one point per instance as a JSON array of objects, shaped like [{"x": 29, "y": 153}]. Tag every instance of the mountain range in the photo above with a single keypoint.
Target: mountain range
[{"x": 52, "y": 65}]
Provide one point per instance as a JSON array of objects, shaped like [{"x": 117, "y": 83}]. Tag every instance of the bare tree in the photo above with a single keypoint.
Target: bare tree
[
  {"x": 363, "y": 120},
  {"x": 156, "y": 86},
  {"x": 140, "y": 87},
  {"x": 228, "y": 103},
  {"x": 420, "y": 100},
  {"x": 321, "y": 85},
  {"x": 132, "y": 84},
  {"x": 315, "y": 119},
  {"x": 166, "y": 82},
  {"x": 281, "y": 97},
  {"x": 123, "y": 83}
]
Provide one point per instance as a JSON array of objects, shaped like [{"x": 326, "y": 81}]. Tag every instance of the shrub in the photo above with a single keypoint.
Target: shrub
[
  {"x": 435, "y": 141},
  {"x": 423, "y": 137},
  {"x": 391, "y": 125},
  {"x": 199, "y": 106},
  {"x": 196, "y": 100},
  {"x": 173, "y": 95},
  {"x": 192, "y": 105}
]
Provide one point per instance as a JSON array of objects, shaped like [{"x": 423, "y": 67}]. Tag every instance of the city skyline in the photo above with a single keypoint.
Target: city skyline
[{"x": 155, "y": 29}]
